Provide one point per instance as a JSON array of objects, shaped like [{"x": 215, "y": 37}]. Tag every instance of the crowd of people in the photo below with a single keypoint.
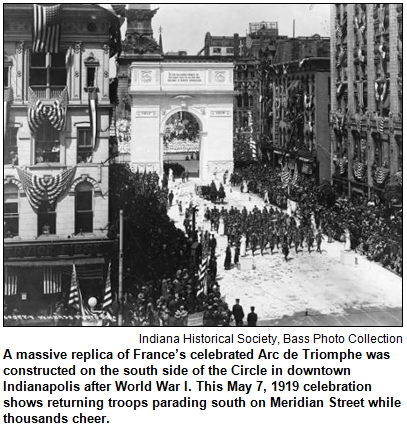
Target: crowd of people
[{"x": 375, "y": 230}]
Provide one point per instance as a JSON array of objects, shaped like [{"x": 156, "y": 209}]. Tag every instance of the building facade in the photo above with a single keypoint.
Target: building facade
[
  {"x": 56, "y": 150},
  {"x": 296, "y": 116},
  {"x": 366, "y": 98}
]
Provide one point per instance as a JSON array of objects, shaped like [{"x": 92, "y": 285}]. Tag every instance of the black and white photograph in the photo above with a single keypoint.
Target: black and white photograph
[{"x": 202, "y": 165}]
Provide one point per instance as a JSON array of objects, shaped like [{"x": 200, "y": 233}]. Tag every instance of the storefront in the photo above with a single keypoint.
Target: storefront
[{"x": 38, "y": 274}]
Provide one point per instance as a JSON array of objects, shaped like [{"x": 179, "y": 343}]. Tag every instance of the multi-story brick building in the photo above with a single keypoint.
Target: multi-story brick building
[
  {"x": 366, "y": 97},
  {"x": 56, "y": 150}
]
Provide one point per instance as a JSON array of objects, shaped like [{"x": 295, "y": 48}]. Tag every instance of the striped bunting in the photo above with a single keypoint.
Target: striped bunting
[
  {"x": 342, "y": 163},
  {"x": 358, "y": 170},
  {"x": 39, "y": 189},
  {"x": 107, "y": 299},
  {"x": 47, "y": 28},
  {"x": 10, "y": 285},
  {"x": 381, "y": 174},
  {"x": 203, "y": 275},
  {"x": 253, "y": 148},
  {"x": 380, "y": 125},
  {"x": 57, "y": 114},
  {"x": 285, "y": 176},
  {"x": 37, "y": 111},
  {"x": 399, "y": 178},
  {"x": 52, "y": 281}
]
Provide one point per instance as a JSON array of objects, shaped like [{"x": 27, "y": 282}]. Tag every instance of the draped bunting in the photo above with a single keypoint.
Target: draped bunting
[
  {"x": 359, "y": 170},
  {"x": 342, "y": 163},
  {"x": 307, "y": 169},
  {"x": 296, "y": 176},
  {"x": 8, "y": 98},
  {"x": 50, "y": 188},
  {"x": 381, "y": 174},
  {"x": 253, "y": 148},
  {"x": 37, "y": 111}
]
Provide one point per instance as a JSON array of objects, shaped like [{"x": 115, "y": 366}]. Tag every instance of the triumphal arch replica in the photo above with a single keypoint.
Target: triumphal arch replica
[{"x": 184, "y": 108}]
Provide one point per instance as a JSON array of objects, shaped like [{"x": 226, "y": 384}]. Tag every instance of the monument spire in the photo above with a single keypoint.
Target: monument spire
[{"x": 160, "y": 41}]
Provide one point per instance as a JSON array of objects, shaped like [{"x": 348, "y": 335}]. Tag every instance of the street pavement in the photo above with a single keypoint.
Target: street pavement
[{"x": 311, "y": 289}]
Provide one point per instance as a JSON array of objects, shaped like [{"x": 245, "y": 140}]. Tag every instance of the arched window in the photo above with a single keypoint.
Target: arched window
[
  {"x": 83, "y": 208},
  {"x": 11, "y": 210}
]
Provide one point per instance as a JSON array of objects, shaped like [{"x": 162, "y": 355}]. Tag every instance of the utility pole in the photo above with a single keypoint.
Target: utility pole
[{"x": 120, "y": 314}]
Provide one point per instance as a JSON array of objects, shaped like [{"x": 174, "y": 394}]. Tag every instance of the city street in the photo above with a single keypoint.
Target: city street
[{"x": 310, "y": 288}]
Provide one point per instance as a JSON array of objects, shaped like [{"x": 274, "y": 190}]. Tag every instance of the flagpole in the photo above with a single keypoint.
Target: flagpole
[{"x": 120, "y": 313}]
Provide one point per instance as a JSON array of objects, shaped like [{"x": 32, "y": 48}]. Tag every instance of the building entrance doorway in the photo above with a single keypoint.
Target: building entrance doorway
[{"x": 182, "y": 143}]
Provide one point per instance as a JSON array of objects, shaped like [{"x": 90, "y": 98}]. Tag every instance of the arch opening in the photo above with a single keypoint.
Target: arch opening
[{"x": 182, "y": 143}]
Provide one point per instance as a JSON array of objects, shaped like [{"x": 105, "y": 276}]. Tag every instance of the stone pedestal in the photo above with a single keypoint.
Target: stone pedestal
[
  {"x": 348, "y": 258},
  {"x": 246, "y": 263}
]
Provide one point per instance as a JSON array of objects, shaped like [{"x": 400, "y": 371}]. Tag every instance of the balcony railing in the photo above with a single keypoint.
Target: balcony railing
[{"x": 48, "y": 92}]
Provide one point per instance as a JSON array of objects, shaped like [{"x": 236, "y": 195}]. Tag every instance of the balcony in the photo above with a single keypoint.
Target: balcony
[{"x": 47, "y": 92}]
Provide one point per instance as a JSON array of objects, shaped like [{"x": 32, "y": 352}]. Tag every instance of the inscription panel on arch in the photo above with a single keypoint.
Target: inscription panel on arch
[{"x": 184, "y": 77}]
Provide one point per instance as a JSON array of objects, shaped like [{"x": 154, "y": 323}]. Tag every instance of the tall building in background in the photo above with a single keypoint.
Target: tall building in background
[
  {"x": 56, "y": 150},
  {"x": 366, "y": 98}
]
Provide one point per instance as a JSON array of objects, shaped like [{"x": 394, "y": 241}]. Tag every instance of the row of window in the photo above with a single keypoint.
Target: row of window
[
  {"x": 48, "y": 73},
  {"x": 46, "y": 217},
  {"x": 47, "y": 145}
]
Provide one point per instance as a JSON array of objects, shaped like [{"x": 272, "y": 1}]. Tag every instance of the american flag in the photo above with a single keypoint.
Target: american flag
[
  {"x": 285, "y": 176},
  {"x": 36, "y": 113},
  {"x": 39, "y": 189},
  {"x": 57, "y": 114},
  {"x": 10, "y": 285},
  {"x": 203, "y": 275},
  {"x": 47, "y": 28},
  {"x": 381, "y": 174},
  {"x": 75, "y": 296},
  {"x": 253, "y": 148},
  {"x": 342, "y": 166},
  {"x": 107, "y": 299},
  {"x": 358, "y": 170},
  {"x": 380, "y": 125},
  {"x": 52, "y": 281}
]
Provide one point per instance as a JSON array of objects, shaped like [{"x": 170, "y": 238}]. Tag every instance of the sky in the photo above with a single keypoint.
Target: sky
[{"x": 185, "y": 25}]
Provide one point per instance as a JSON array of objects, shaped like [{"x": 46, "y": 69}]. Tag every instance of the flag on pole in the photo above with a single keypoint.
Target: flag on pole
[
  {"x": 296, "y": 176},
  {"x": 47, "y": 28},
  {"x": 74, "y": 298},
  {"x": 285, "y": 176},
  {"x": 203, "y": 275},
  {"x": 107, "y": 300},
  {"x": 253, "y": 148}
]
